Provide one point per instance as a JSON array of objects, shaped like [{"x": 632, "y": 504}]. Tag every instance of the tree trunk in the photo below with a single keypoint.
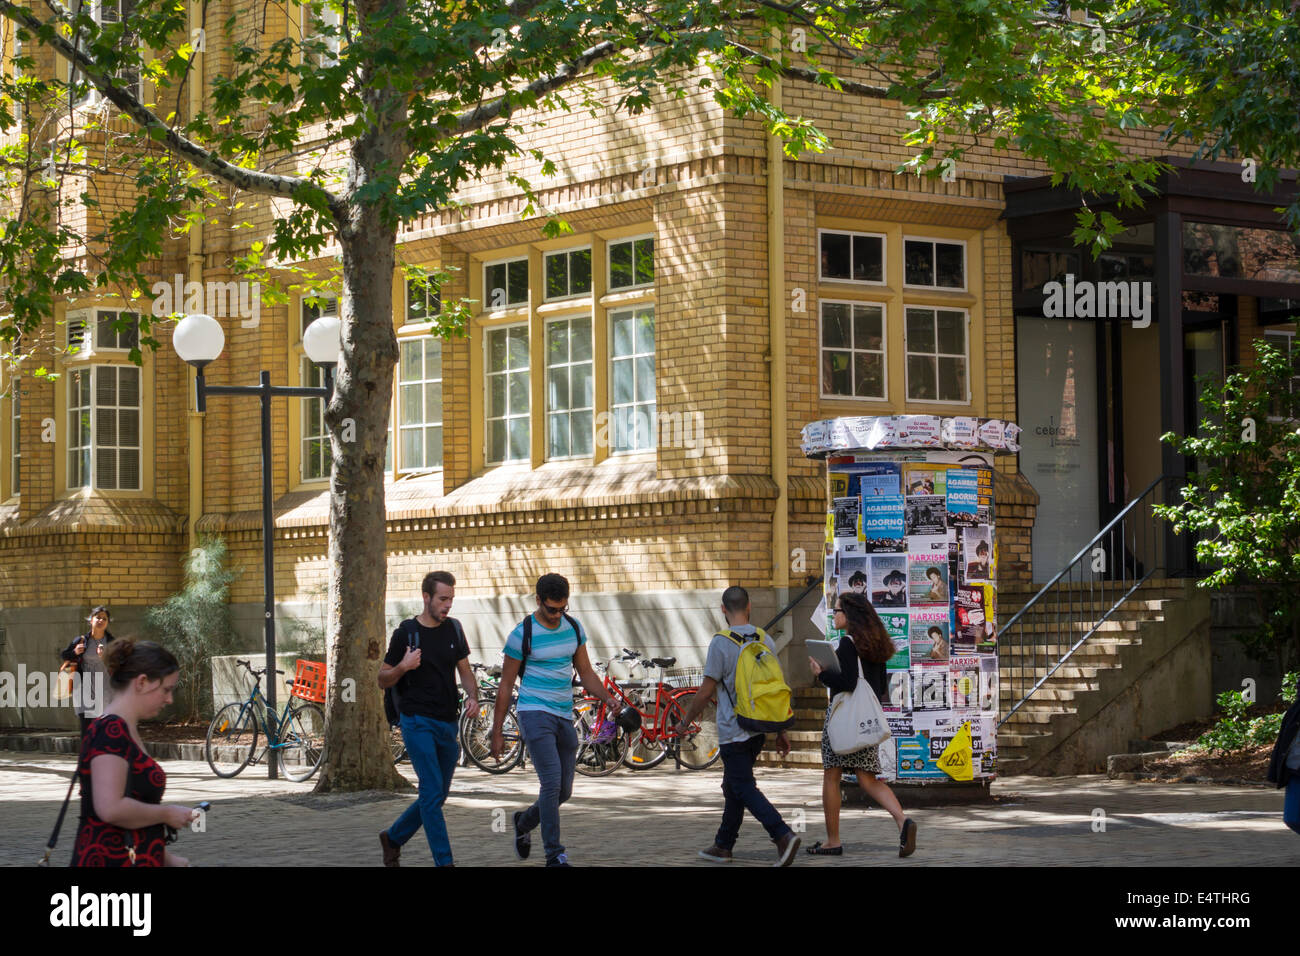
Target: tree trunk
[{"x": 358, "y": 756}]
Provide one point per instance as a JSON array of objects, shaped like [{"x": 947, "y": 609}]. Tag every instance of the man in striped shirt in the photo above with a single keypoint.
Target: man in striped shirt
[{"x": 545, "y": 708}]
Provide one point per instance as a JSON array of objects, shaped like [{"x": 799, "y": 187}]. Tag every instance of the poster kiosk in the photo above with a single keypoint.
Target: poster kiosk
[{"x": 910, "y": 524}]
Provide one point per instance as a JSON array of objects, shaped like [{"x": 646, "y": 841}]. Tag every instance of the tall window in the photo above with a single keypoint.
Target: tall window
[
  {"x": 505, "y": 284},
  {"x": 934, "y": 264},
  {"x": 104, "y": 427},
  {"x": 331, "y": 39},
  {"x": 419, "y": 404},
  {"x": 936, "y": 355},
  {"x": 853, "y": 350},
  {"x": 422, "y": 302},
  {"x": 106, "y": 13},
  {"x": 508, "y": 398},
  {"x": 633, "y": 379},
  {"x": 568, "y": 273},
  {"x": 15, "y": 441},
  {"x": 1285, "y": 343},
  {"x": 91, "y": 332},
  {"x": 852, "y": 256},
  {"x": 570, "y": 388},
  {"x": 631, "y": 263},
  {"x": 314, "y": 462}
]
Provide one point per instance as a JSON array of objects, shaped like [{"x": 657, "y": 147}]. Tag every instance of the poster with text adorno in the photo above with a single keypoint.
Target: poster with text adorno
[
  {"x": 963, "y": 498},
  {"x": 882, "y": 523}
]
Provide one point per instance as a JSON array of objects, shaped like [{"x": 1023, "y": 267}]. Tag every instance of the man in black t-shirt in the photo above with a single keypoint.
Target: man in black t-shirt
[{"x": 425, "y": 676}]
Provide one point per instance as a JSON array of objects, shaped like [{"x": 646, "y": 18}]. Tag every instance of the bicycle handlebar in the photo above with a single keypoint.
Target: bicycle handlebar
[{"x": 257, "y": 674}]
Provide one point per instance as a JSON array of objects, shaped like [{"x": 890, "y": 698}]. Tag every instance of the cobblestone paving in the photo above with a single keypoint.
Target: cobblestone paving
[{"x": 663, "y": 817}]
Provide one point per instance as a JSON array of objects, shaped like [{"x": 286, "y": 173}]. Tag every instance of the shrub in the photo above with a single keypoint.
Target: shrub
[{"x": 1236, "y": 731}]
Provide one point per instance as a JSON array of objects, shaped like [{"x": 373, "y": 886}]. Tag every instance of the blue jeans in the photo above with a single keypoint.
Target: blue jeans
[
  {"x": 432, "y": 747},
  {"x": 553, "y": 748},
  {"x": 1291, "y": 809},
  {"x": 740, "y": 792}
]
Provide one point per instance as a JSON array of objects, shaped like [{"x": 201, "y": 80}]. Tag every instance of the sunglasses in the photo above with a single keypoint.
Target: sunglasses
[{"x": 554, "y": 610}]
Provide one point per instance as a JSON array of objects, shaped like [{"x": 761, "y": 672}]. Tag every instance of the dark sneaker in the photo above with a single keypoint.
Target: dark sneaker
[
  {"x": 786, "y": 848},
  {"x": 716, "y": 854},
  {"x": 907, "y": 838},
  {"x": 523, "y": 841},
  {"x": 392, "y": 853},
  {"x": 560, "y": 860}
]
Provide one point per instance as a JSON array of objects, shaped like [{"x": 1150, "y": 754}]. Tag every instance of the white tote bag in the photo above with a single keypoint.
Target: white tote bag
[{"x": 856, "y": 720}]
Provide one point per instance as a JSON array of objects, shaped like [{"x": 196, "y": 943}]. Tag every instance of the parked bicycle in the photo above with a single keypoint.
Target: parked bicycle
[
  {"x": 476, "y": 729},
  {"x": 662, "y": 706},
  {"x": 297, "y": 734}
]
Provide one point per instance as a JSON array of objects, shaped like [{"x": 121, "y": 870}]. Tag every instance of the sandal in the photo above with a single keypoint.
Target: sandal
[{"x": 818, "y": 850}]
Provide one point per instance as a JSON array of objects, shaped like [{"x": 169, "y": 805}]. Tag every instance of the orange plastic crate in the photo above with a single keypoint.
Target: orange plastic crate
[{"x": 309, "y": 682}]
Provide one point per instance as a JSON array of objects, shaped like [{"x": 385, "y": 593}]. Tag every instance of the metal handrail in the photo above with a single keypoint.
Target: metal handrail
[
  {"x": 812, "y": 583},
  {"x": 1121, "y": 523}
]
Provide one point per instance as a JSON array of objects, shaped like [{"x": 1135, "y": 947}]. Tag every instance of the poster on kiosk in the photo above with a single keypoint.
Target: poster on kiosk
[{"x": 911, "y": 524}]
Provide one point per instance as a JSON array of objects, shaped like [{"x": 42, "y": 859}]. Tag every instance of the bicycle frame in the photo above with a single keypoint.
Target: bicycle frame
[
  {"x": 654, "y": 726},
  {"x": 270, "y": 723}
]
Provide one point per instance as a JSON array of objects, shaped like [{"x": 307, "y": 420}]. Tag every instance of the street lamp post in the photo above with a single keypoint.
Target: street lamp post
[{"x": 198, "y": 340}]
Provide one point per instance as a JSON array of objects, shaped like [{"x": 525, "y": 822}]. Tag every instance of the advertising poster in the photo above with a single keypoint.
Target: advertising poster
[
  {"x": 846, "y": 519},
  {"x": 852, "y": 573},
  {"x": 896, "y": 626},
  {"x": 976, "y": 554},
  {"x": 984, "y": 477},
  {"x": 898, "y": 700},
  {"x": 882, "y": 523},
  {"x": 963, "y": 498},
  {"x": 964, "y": 683},
  {"x": 888, "y": 581},
  {"x": 988, "y": 698},
  {"x": 928, "y": 634},
  {"x": 930, "y": 686},
  {"x": 968, "y": 627},
  {"x": 914, "y": 760},
  {"x": 925, "y": 479},
  {"x": 927, "y": 569}
]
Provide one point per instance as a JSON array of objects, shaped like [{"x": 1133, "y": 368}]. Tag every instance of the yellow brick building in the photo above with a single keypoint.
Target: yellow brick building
[{"x": 736, "y": 293}]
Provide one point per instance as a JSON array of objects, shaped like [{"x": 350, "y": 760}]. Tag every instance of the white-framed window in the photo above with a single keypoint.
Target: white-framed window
[
  {"x": 567, "y": 273},
  {"x": 15, "y": 438},
  {"x": 419, "y": 404},
  {"x": 632, "y": 379},
  {"x": 104, "y": 409},
  {"x": 853, "y": 350},
  {"x": 508, "y": 404},
  {"x": 631, "y": 263},
  {"x": 315, "y": 437},
  {"x": 505, "y": 283},
  {"x": 935, "y": 342},
  {"x": 570, "y": 388},
  {"x": 332, "y": 39},
  {"x": 422, "y": 301},
  {"x": 328, "y": 304},
  {"x": 16, "y": 51},
  {"x": 1284, "y": 342},
  {"x": 934, "y": 263},
  {"x": 851, "y": 256},
  {"x": 99, "y": 331},
  {"x": 107, "y": 12}
]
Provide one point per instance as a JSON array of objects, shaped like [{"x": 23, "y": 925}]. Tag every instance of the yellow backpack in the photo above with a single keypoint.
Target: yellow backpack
[{"x": 762, "y": 698}]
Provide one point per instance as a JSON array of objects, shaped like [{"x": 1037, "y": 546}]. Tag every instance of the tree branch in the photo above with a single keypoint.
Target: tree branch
[{"x": 176, "y": 143}]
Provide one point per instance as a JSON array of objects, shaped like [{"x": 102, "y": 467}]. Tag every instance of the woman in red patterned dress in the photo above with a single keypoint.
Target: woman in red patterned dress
[{"x": 122, "y": 813}]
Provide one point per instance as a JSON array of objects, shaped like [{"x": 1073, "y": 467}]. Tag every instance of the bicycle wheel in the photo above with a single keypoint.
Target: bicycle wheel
[
  {"x": 644, "y": 753},
  {"x": 476, "y": 739},
  {"x": 232, "y": 738},
  {"x": 302, "y": 739},
  {"x": 398, "y": 744},
  {"x": 597, "y": 756},
  {"x": 699, "y": 749}
]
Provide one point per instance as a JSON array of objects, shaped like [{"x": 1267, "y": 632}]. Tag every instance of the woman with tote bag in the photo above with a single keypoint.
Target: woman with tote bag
[{"x": 864, "y": 649}]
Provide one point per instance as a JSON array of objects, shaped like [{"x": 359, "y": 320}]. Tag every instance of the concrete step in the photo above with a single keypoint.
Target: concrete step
[
  {"x": 795, "y": 759},
  {"x": 1080, "y": 606}
]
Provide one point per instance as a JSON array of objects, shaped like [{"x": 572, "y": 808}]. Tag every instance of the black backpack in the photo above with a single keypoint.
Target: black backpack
[
  {"x": 411, "y": 628},
  {"x": 392, "y": 699},
  {"x": 528, "y": 640}
]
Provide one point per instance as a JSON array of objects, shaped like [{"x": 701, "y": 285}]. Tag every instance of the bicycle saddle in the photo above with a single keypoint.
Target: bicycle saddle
[{"x": 663, "y": 661}]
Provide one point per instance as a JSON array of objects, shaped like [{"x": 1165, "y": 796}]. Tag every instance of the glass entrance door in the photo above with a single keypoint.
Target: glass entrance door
[{"x": 1057, "y": 391}]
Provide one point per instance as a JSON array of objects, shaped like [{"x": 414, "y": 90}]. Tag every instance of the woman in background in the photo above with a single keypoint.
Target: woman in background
[
  {"x": 122, "y": 813},
  {"x": 87, "y": 652}
]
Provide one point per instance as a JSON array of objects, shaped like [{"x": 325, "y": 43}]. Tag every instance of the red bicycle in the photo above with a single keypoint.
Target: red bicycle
[{"x": 660, "y": 715}]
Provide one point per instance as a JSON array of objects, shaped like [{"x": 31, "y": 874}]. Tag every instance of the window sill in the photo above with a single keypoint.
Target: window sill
[{"x": 627, "y": 296}]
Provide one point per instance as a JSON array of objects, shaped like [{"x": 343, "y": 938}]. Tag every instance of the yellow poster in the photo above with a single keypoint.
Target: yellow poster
[{"x": 955, "y": 760}]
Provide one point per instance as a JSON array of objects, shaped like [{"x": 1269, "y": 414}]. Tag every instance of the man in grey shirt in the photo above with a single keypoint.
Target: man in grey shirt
[{"x": 739, "y": 748}]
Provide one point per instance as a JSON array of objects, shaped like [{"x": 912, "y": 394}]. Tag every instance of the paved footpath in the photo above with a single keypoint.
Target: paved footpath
[{"x": 662, "y": 817}]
